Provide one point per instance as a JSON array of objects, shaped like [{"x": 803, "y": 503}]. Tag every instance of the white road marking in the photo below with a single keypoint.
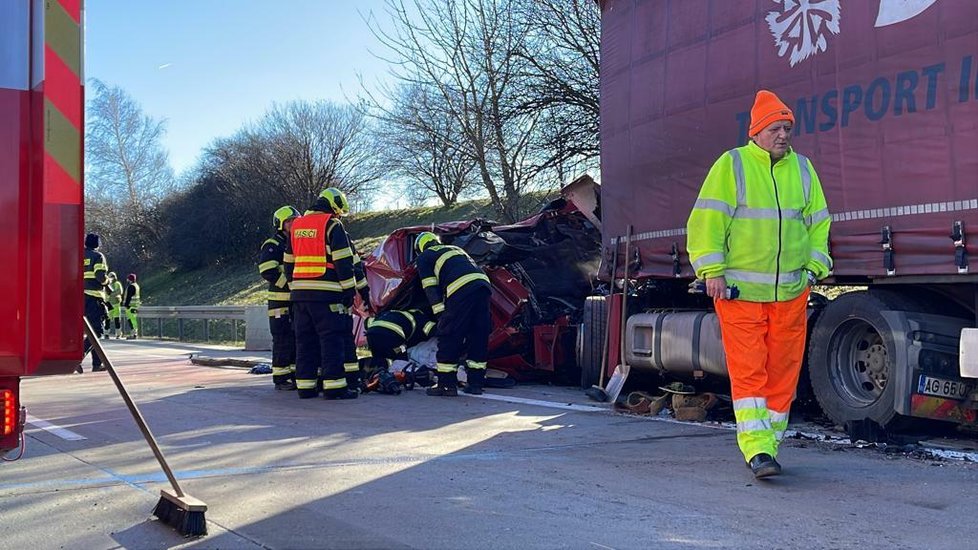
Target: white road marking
[
  {"x": 63, "y": 433},
  {"x": 539, "y": 402}
]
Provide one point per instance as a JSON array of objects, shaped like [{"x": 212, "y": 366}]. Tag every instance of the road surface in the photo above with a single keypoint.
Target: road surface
[{"x": 412, "y": 471}]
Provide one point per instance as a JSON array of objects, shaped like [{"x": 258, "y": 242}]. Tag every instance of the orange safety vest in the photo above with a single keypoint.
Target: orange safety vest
[{"x": 309, "y": 246}]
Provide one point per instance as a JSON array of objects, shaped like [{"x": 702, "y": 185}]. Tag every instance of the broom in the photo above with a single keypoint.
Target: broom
[{"x": 176, "y": 509}]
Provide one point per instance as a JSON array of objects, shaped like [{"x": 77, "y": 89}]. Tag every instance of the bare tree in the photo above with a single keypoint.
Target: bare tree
[
  {"x": 465, "y": 51},
  {"x": 127, "y": 172},
  {"x": 562, "y": 81},
  {"x": 316, "y": 144},
  {"x": 126, "y": 163},
  {"x": 422, "y": 146}
]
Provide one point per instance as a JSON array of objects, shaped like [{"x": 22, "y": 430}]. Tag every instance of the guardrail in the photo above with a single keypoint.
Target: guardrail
[{"x": 254, "y": 318}]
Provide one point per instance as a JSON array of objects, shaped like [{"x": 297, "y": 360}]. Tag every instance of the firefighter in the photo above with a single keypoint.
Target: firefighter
[
  {"x": 131, "y": 303},
  {"x": 323, "y": 285},
  {"x": 389, "y": 335},
  {"x": 96, "y": 270},
  {"x": 458, "y": 291},
  {"x": 271, "y": 267},
  {"x": 113, "y": 292},
  {"x": 761, "y": 222}
]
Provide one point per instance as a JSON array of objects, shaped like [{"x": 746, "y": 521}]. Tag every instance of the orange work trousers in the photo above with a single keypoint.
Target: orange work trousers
[{"x": 764, "y": 343}]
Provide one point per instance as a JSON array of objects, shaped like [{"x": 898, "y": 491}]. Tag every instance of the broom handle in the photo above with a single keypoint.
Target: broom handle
[
  {"x": 131, "y": 405},
  {"x": 624, "y": 296}
]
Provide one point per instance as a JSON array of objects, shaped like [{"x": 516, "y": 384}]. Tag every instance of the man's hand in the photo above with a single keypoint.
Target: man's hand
[{"x": 716, "y": 288}]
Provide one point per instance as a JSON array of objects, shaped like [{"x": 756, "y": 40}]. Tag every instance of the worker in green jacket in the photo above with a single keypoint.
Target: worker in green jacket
[
  {"x": 113, "y": 296},
  {"x": 761, "y": 223}
]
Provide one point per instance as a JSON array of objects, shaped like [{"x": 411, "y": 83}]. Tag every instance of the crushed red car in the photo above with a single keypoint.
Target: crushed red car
[{"x": 541, "y": 269}]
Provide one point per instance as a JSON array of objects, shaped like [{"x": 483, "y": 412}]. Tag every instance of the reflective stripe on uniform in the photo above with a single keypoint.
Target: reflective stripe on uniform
[
  {"x": 714, "y": 258},
  {"x": 339, "y": 308},
  {"x": 464, "y": 280},
  {"x": 822, "y": 214},
  {"x": 713, "y": 204},
  {"x": 444, "y": 258},
  {"x": 278, "y": 295},
  {"x": 410, "y": 319},
  {"x": 739, "y": 179},
  {"x": 476, "y": 365},
  {"x": 361, "y": 284},
  {"x": 317, "y": 285},
  {"x": 438, "y": 308},
  {"x": 277, "y": 311},
  {"x": 745, "y": 213},
  {"x": 742, "y": 276},
  {"x": 429, "y": 281},
  {"x": 334, "y": 384},
  {"x": 429, "y": 326},
  {"x": 265, "y": 266},
  {"x": 779, "y": 423},
  {"x": 822, "y": 258},
  {"x": 305, "y": 383},
  {"x": 95, "y": 293},
  {"x": 348, "y": 284},
  {"x": 342, "y": 253},
  {"x": 389, "y": 326},
  {"x": 281, "y": 281},
  {"x": 806, "y": 176},
  {"x": 351, "y": 367},
  {"x": 281, "y": 371},
  {"x": 288, "y": 257},
  {"x": 446, "y": 367}
]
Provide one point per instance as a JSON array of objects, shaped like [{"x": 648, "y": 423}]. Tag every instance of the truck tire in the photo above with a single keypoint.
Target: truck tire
[
  {"x": 849, "y": 364},
  {"x": 594, "y": 325}
]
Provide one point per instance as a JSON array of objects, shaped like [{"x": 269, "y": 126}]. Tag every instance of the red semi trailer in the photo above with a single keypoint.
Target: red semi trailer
[
  {"x": 885, "y": 97},
  {"x": 41, "y": 122}
]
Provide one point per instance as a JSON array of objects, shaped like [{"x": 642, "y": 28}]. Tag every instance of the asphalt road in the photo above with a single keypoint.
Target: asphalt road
[{"x": 417, "y": 472}]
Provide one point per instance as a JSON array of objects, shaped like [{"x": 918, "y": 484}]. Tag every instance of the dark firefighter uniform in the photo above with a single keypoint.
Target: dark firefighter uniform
[
  {"x": 96, "y": 276},
  {"x": 389, "y": 334},
  {"x": 322, "y": 292},
  {"x": 458, "y": 291},
  {"x": 271, "y": 266}
]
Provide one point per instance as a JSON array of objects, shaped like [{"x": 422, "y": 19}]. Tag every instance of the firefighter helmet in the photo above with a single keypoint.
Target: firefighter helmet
[
  {"x": 337, "y": 200},
  {"x": 112, "y": 275},
  {"x": 283, "y": 215},
  {"x": 424, "y": 240}
]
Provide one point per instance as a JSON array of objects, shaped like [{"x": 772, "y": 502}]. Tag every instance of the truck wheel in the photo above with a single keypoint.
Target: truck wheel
[
  {"x": 594, "y": 325},
  {"x": 850, "y": 358}
]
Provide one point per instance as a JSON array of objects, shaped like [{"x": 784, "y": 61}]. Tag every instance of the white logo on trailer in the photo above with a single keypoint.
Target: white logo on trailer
[{"x": 802, "y": 26}]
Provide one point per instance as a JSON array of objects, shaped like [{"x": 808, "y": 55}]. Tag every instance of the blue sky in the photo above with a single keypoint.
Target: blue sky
[{"x": 210, "y": 66}]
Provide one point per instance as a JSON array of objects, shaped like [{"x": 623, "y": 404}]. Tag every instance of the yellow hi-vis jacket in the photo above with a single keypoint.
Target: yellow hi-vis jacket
[{"x": 760, "y": 224}]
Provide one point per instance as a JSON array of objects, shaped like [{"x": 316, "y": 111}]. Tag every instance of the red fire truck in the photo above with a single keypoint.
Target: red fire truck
[{"x": 41, "y": 109}]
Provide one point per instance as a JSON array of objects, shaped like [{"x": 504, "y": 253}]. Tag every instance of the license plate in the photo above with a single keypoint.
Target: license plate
[{"x": 950, "y": 389}]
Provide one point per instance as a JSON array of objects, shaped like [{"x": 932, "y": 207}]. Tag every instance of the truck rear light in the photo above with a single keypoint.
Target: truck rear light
[{"x": 8, "y": 406}]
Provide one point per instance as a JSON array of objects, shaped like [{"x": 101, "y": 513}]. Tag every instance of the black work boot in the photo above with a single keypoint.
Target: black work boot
[
  {"x": 342, "y": 393},
  {"x": 764, "y": 465},
  {"x": 287, "y": 385},
  {"x": 447, "y": 385},
  {"x": 475, "y": 379}
]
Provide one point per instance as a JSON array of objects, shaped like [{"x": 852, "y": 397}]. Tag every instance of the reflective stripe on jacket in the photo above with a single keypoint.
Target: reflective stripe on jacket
[
  {"x": 271, "y": 267},
  {"x": 444, "y": 270},
  {"x": 96, "y": 271},
  {"x": 760, "y": 224}
]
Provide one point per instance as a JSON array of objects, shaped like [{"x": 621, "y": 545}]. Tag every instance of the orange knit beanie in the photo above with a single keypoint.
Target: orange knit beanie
[{"x": 767, "y": 110}]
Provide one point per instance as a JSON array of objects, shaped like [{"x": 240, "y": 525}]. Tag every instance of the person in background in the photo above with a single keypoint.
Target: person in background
[
  {"x": 95, "y": 270},
  {"x": 113, "y": 292},
  {"x": 271, "y": 267},
  {"x": 389, "y": 335},
  {"x": 131, "y": 303}
]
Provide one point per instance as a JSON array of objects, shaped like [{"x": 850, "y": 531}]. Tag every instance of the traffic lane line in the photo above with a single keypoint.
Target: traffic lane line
[{"x": 54, "y": 429}]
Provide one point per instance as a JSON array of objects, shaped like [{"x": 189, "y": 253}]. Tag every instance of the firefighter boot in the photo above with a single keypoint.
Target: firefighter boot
[
  {"x": 475, "y": 379},
  {"x": 447, "y": 385}
]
